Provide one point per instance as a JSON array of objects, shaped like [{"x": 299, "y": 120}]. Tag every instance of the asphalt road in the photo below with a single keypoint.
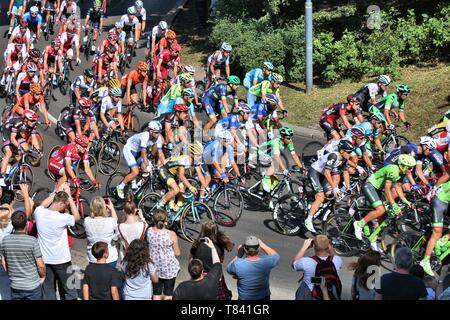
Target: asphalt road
[{"x": 283, "y": 278}]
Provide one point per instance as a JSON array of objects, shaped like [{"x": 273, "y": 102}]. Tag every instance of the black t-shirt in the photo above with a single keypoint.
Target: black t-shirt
[
  {"x": 100, "y": 278},
  {"x": 205, "y": 289},
  {"x": 399, "y": 286},
  {"x": 203, "y": 253}
]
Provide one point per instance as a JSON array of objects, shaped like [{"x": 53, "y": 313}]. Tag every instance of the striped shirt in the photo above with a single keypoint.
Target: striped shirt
[{"x": 20, "y": 252}]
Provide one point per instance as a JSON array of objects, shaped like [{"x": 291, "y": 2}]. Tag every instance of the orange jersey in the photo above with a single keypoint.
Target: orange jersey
[
  {"x": 135, "y": 78},
  {"x": 32, "y": 101}
]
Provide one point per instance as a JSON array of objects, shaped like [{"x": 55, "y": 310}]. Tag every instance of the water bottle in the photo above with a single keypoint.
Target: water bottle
[{"x": 8, "y": 169}]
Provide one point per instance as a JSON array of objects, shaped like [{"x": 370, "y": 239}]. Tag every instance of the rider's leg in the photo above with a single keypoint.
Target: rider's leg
[
  {"x": 61, "y": 180},
  {"x": 211, "y": 123},
  {"x": 173, "y": 191},
  {"x": 7, "y": 156}
]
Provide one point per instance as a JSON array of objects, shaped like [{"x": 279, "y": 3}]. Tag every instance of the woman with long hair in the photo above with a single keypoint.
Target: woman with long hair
[
  {"x": 139, "y": 272},
  {"x": 202, "y": 252},
  {"x": 360, "y": 289}
]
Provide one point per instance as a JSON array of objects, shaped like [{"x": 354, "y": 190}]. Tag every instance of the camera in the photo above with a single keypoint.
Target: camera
[{"x": 203, "y": 240}]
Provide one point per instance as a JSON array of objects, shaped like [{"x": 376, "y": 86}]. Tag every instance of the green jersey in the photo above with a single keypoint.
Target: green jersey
[
  {"x": 276, "y": 146},
  {"x": 443, "y": 192},
  {"x": 263, "y": 87},
  {"x": 390, "y": 172},
  {"x": 390, "y": 101},
  {"x": 175, "y": 91}
]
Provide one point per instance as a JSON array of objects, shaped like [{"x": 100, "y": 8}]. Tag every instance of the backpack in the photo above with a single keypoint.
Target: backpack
[{"x": 327, "y": 270}]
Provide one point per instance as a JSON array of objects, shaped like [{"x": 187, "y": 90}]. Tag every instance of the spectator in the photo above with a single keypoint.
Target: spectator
[
  {"x": 8, "y": 197},
  {"x": 51, "y": 223},
  {"x": 6, "y": 228},
  {"x": 201, "y": 286},
  {"x": 360, "y": 290},
  {"x": 101, "y": 282},
  {"x": 139, "y": 272},
  {"x": 22, "y": 258},
  {"x": 253, "y": 271},
  {"x": 324, "y": 251},
  {"x": 134, "y": 226},
  {"x": 401, "y": 285},
  {"x": 429, "y": 281},
  {"x": 102, "y": 226},
  {"x": 445, "y": 294},
  {"x": 164, "y": 248},
  {"x": 202, "y": 252}
]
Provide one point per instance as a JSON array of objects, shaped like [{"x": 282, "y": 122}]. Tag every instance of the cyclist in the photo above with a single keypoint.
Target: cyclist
[
  {"x": 135, "y": 154},
  {"x": 105, "y": 63},
  {"x": 16, "y": 8},
  {"x": 176, "y": 90},
  {"x": 94, "y": 19},
  {"x": 262, "y": 110},
  {"x": 53, "y": 59},
  {"x": 141, "y": 14},
  {"x": 63, "y": 163},
  {"x": 21, "y": 33},
  {"x": 216, "y": 62},
  {"x": 391, "y": 102},
  {"x": 18, "y": 131},
  {"x": 121, "y": 36},
  {"x": 330, "y": 115},
  {"x": 69, "y": 41},
  {"x": 34, "y": 19},
  {"x": 33, "y": 100},
  {"x": 110, "y": 41},
  {"x": 173, "y": 171},
  {"x": 52, "y": 5},
  {"x": 367, "y": 95},
  {"x": 111, "y": 109},
  {"x": 67, "y": 9},
  {"x": 80, "y": 121},
  {"x": 177, "y": 120},
  {"x": 388, "y": 177},
  {"x": 130, "y": 22},
  {"x": 166, "y": 42},
  {"x": 215, "y": 100},
  {"x": 130, "y": 81},
  {"x": 158, "y": 32},
  {"x": 186, "y": 98},
  {"x": 14, "y": 55},
  {"x": 269, "y": 156},
  {"x": 257, "y": 75},
  {"x": 188, "y": 69},
  {"x": 166, "y": 59},
  {"x": 25, "y": 79},
  {"x": 320, "y": 175},
  {"x": 34, "y": 57},
  {"x": 439, "y": 207},
  {"x": 101, "y": 92},
  {"x": 82, "y": 86},
  {"x": 258, "y": 93}
]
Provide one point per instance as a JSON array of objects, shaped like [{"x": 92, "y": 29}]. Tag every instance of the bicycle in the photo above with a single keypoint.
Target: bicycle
[
  {"x": 48, "y": 28},
  {"x": 130, "y": 120},
  {"x": 10, "y": 87},
  {"x": 391, "y": 140},
  {"x": 86, "y": 47},
  {"x": 191, "y": 216},
  {"x": 64, "y": 83},
  {"x": 52, "y": 83}
]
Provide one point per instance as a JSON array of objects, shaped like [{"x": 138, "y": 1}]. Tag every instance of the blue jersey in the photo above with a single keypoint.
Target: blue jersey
[
  {"x": 368, "y": 130},
  {"x": 231, "y": 122},
  {"x": 218, "y": 91},
  {"x": 32, "y": 21},
  {"x": 170, "y": 107},
  {"x": 214, "y": 152},
  {"x": 254, "y": 75},
  {"x": 259, "y": 110}
]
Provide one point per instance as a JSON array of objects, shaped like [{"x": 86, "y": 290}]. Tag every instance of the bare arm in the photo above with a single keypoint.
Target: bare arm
[
  {"x": 175, "y": 245},
  {"x": 85, "y": 292},
  {"x": 268, "y": 250},
  {"x": 41, "y": 267},
  {"x": 115, "y": 293}
]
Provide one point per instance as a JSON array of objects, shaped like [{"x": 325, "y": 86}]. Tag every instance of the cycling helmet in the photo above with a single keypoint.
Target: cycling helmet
[
  {"x": 88, "y": 73},
  {"x": 163, "y": 25},
  {"x": 226, "y": 47},
  {"x": 175, "y": 47},
  {"x": 233, "y": 80},
  {"x": 117, "y": 92},
  {"x": 142, "y": 66},
  {"x": 188, "y": 69},
  {"x": 30, "y": 115},
  {"x": 56, "y": 42},
  {"x": 154, "y": 126},
  {"x": 85, "y": 102},
  {"x": 196, "y": 148},
  {"x": 181, "y": 107},
  {"x": 272, "y": 98},
  {"x": 428, "y": 141},
  {"x": 112, "y": 35},
  {"x": 114, "y": 83},
  {"x": 226, "y": 135},
  {"x": 406, "y": 160},
  {"x": 286, "y": 132},
  {"x": 82, "y": 140},
  {"x": 345, "y": 145},
  {"x": 35, "y": 53},
  {"x": 170, "y": 34},
  {"x": 31, "y": 67},
  {"x": 351, "y": 98},
  {"x": 402, "y": 88},
  {"x": 186, "y": 77},
  {"x": 378, "y": 117},
  {"x": 384, "y": 79},
  {"x": 23, "y": 23},
  {"x": 35, "y": 88},
  {"x": 268, "y": 65},
  {"x": 139, "y": 3},
  {"x": 34, "y": 9},
  {"x": 118, "y": 25},
  {"x": 277, "y": 77},
  {"x": 243, "y": 107},
  {"x": 188, "y": 92},
  {"x": 131, "y": 11},
  {"x": 358, "y": 132}
]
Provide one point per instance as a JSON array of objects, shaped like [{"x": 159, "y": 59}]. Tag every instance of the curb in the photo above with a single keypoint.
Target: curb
[{"x": 309, "y": 133}]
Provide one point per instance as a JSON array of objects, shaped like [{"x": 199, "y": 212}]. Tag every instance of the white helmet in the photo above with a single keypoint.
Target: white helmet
[
  {"x": 428, "y": 141},
  {"x": 188, "y": 69},
  {"x": 139, "y": 3},
  {"x": 34, "y": 9},
  {"x": 226, "y": 46},
  {"x": 226, "y": 135},
  {"x": 384, "y": 79},
  {"x": 119, "y": 24},
  {"x": 155, "y": 126},
  {"x": 163, "y": 25}
]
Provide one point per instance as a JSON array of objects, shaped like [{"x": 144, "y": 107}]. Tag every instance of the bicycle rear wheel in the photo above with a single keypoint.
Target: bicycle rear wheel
[
  {"x": 111, "y": 192},
  {"x": 193, "y": 217},
  {"x": 339, "y": 229},
  {"x": 23, "y": 175},
  {"x": 228, "y": 206},
  {"x": 309, "y": 152},
  {"x": 148, "y": 205},
  {"x": 288, "y": 214},
  {"x": 109, "y": 158}
]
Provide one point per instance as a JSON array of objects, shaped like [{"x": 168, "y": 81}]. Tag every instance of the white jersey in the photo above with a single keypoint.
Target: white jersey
[
  {"x": 142, "y": 13},
  {"x": 142, "y": 141},
  {"x": 127, "y": 23},
  {"x": 122, "y": 36},
  {"x": 16, "y": 32},
  {"x": 68, "y": 10},
  {"x": 328, "y": 161},
  {"x": 157, "y": 32},
  {"x": 11, "y": 48},
  {"x": 84, "y": 87},
  {"x": 374, "y": 90},
  {"x": 67, "y": 42}
]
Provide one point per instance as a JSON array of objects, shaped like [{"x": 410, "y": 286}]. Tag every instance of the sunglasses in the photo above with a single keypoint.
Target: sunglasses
[{"x": 288, "y": 138}]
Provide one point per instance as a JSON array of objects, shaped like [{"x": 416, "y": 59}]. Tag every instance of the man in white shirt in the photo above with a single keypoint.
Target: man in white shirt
[{"x": 52, "y": 222}]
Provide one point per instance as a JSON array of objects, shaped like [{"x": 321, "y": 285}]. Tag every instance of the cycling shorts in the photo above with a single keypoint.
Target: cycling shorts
[
  {"x": 439, "y": 209},
  {"x": 328, "y": 128},
  {"x": 15, "y": 9},
  {"x": 132, "y": 158},
  {"x": 94, "y": 24},
  {"x": 8, "y": 143},
  {"x": 318, "y": 181},
  {"x": 208, "y": 169},
  {"x": 372, "y": 195},
  {"x": 213, "y": 108},
  {"x": 166, "y": 176},
  {"x": 58, "y": 169}
]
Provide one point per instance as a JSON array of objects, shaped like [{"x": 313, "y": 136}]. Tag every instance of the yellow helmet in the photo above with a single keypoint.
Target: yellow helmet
[
  {"x": 114, "y": 83},
  {"x": 196, "y": 148}
]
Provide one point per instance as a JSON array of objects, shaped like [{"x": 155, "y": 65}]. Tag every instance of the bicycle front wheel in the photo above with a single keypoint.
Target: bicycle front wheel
[
  {"x": 228, "y": 206},
  {"x": 192, "y": 219},
  {"x": 339, "y": 229},
  {"x": 111, "y": 192},
  {"x": 288, "y": 215},
  {"x": 395, "y": 143},
  {"x": 109, "y": 158},
  {"x": 85, "y": 183},
  {"x": 148, "y": 204},
  {"x": 23, "y": 175}
]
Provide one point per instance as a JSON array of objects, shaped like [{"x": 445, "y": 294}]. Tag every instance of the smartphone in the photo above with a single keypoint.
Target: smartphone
[
  {"x": 316, "y": 280},
  {"x": 203, "y": 240}
]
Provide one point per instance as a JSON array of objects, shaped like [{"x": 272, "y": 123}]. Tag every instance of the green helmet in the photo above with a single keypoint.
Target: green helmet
[
  {"x": 188, "y": 92},
  {"x": 97, "y": 3},
  {"x": 406, "y": 160},
  {"x": 402, "y": 88},
  {"x": 286, "y": 132},
  {"x": 276, "y": 77},
  {"x": 186, "y": 77},
  {"x": 233, "y": 80}
]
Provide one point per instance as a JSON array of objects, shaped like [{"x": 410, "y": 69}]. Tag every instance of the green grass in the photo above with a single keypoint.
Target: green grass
[{"x": 428, "y": 100}]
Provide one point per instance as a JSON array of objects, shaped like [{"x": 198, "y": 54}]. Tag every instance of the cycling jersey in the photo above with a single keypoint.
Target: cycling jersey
[
  {"x": 76, "y": 114},
  {"x": 387, "y": 103},
  {"x": 142, "y": 141},
  {"x": 32, "y": 21},
  {"x": 158, "y": 33},
  {"x": 330, "y": 161},
  {"x": 166, "y": 59},
  {"x": 231, "y": 122},
  {"x": 52, "y": 53},
  {"x": 99, "y": 94},
  {"x": 443, "y": 192},
  {"x": 80, "y": 83},
  {"x": 24, "y": 80},
  {"x": 263, "y": 87},
  {"x": 369, "y": 91},
  {"x": 69, "y": 41},
  {"x": 334, "y": 111},
  {"x": 435, "y": 158},
  {"x": 95, "y": 15},
  {"x": 18, "y": 3},
  {"x": 141, "y": 15},
  {"x": 173, "y": 164},
  {"x": 170, "y": 107},
  {"x": 369, "y": 130},
  {"x": 18, "y": 126},
  {"x": 164, "y": 43},
  {"x": 129, "y": 24},
  {"x": 108, "y": 105},
  {"x": 214, "y": 152},
  {"x": 135, "y": 78},
  {"x": 106, "y": 63},
  {"x": 56, "y": 164},
  {"x": 175, "y": 91},
  {"x": 32, "y": 100},
  {"x": 217, "y": 92},
  {"x": 121, "y": 37},
  {"x": 254, "y": 75},
  {"x": 67, "y": 11},
  {"x": 390, "y": 172},
  {"x": 15, "y": 54},
  {"x": 177, "y": 81},
  {"x": 219, "y": 59},
  {"x": 275, "y": 146},
  {"x": 25, "y": 35}
]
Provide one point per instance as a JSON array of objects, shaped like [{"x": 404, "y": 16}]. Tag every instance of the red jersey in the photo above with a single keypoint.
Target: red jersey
[{"x": 70, "y": 152}]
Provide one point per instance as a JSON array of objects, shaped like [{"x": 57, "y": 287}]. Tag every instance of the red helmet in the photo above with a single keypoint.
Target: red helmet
[
  {"x": 56, "y": 42},
  {"x": 24, "y": 23},
  {"x": 30, "y": 115},
  {"x": 181, "y": 108},
  {"x": 85, "y": 102},
  {"x": 112, "y": 35},
  {"x": 176, "y": 47},
  {"x": 82, "y": 140}
]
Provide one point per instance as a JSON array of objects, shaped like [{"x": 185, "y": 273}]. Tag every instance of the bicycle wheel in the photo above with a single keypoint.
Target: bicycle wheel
[
  {"x": 200, "y": 87},
  {"x": 339, "y": 229},
  {"x": 23, "y": 175},
  {"x": 413, "y": 240},
  {"x": 309, "y": 152},
  {"x": 85, "y": 182},
  {"x": 288, "y": 215},
  {"x": 40, "y": 195},
  {"x": 391, "y": 144},
  {"x": 87, "y": 48},
  {"x": 122, "y": 65},
  {"x": 228, "y": 206},
  {"x": 109, "y": 158},
  {"x": 65, "y": 82},
  {"x": 148, "y": 205},
  {"x": 111, "y": 192},
  {"x": 78, "y": 231},
  {"x": 193, "y": 217}
]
